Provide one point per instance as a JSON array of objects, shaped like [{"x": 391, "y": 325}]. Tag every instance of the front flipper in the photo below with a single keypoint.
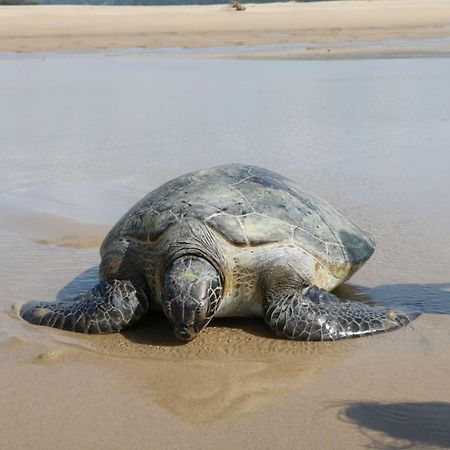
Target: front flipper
[
  {"x": 313, "y": 314},
  {"x": 109, "y": 306}
]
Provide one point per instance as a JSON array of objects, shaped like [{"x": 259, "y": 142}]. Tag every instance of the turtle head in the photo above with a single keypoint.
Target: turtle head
[{"x": 192, "y": 293}]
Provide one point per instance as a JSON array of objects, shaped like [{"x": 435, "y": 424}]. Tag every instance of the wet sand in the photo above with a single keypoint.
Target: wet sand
[
  {"x": 329, "y": 29},
  {"x": 234, "y": 385},
  {"x": 85, "y": 137}
]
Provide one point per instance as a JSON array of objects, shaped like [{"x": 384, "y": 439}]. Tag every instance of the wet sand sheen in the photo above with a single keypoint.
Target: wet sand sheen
[
  {"x": 235, "y": 376},
  {"x": 232, "y": 380},
  {"x": 235, "y": 385},
  {"x": 50, "y": 229}
]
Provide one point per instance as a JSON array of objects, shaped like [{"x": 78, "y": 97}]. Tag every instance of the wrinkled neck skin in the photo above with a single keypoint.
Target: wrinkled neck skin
[{"x": 192, "y": 290}]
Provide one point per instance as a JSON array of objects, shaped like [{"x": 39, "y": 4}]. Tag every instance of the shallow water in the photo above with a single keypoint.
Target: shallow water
[{"x": 83, "y": 138}]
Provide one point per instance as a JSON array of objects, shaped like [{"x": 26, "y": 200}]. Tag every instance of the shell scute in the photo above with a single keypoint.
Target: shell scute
[{"x": 251, "y": 206}]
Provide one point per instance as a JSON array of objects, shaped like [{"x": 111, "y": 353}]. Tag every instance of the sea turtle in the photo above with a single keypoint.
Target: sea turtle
[{"x": 234, "y": 240}]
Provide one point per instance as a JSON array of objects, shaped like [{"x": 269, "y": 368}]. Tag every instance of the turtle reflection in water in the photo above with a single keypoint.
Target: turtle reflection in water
[{"x": 234, "y": 240}]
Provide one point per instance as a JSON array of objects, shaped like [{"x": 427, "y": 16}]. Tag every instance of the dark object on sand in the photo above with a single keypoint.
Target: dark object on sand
[
  {"x": 236, "y": 4},
  {"x": 234, "y": 240}
]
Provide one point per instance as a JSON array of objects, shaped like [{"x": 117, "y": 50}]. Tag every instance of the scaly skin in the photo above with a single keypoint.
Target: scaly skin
[
  {"x": 109, "y": 306},
  {"x": 312, "y": 314}
]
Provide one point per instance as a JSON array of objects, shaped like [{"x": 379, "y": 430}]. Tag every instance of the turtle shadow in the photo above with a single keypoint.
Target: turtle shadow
[
  {"x": 154, "y": 328},
  {"x": 413, "y": 424},
  {"x": 425, "y": 298},
  {"x": 81, "y": 283}
]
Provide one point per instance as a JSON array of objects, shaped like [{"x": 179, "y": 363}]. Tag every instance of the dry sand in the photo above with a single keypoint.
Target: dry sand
[{"x": 329, "y": 28}]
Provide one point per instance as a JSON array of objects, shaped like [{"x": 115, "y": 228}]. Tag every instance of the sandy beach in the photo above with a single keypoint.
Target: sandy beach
[
  {"x": 329, "y": 29},
  {"x": 100, "y": 105},
  {"x": 86, "y": 136}
]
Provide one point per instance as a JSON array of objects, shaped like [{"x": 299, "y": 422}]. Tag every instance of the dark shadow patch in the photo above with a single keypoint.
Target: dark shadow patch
[
  {"x": 250, "y": 325},
  {"x": 155, "y": 329},
  {"x": 427, "y": 298},
  {"x": 81, "y": 283},
  {"x": 411, "y": 424}
]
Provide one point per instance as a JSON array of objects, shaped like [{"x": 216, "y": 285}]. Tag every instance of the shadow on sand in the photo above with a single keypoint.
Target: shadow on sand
[
  {"x": 426, "y": 298},
  {"x": 402, "y": 425},
  {"x": 156, "y": 330}
]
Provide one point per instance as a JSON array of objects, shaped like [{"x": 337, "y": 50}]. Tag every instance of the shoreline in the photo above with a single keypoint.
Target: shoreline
[
  {"x": 383, "y": 49},
  {"x": 338, "y": 29}
]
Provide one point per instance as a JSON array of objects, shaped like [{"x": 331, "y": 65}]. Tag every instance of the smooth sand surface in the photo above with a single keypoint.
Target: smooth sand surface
[
  {"x": 86, "y": 137},
  {"x": 329, "y": 28}
]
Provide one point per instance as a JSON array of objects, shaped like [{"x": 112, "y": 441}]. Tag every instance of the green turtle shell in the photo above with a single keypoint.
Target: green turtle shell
[{"x": 251, "y": 206}]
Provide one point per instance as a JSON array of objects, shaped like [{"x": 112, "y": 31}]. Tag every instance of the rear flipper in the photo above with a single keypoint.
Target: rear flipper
[
  {"x": 109, "y": 306},
  {"x": 312, "y": 314}
]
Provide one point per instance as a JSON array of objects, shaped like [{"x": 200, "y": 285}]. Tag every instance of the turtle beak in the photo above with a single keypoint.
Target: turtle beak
[
  {"x": 185, "y": 317},
  {"x": 185, "y": 333}
]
